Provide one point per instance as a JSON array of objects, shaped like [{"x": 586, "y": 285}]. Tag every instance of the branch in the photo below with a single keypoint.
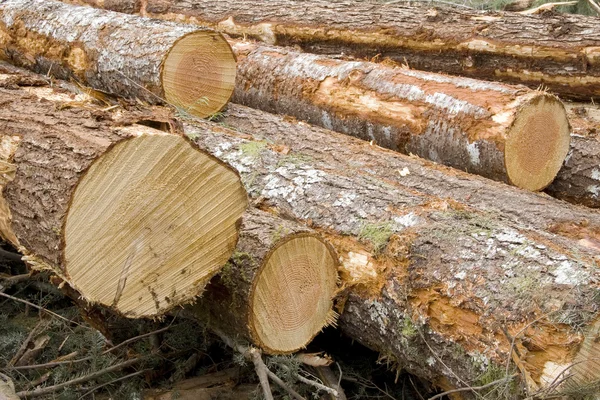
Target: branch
[
  {"x": 472, "y": 388},
  {"x": 285, "y": 387},
  {"x": 595, "y": 6},
  {"x": 92, "y": 390},
  {"x": 547, "y": 6},
  {"x": 55, "y": 388},
  {"x": 57, "y": 363},
  {"x": 43, "y": 309},
  {"x": 261, "y": 371}
]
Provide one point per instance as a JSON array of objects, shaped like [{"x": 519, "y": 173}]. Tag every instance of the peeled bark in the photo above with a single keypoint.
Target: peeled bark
[
  {"x": 277, "y": 289},
  {"x": 579, "y": 178},
  {"x": 133, "y": 218},
  {"x": 559, "y": 51},
  {"x": 501, "y": 132},
  {"x": 139, "y": 58},
  {"x": 439, "y": 263}
]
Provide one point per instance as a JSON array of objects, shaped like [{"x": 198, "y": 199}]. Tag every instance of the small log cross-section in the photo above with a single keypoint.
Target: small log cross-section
[
  {"x": 410, "y": 236},
  {"x": 579, "y": 178},
  {"x": 506, "y": 133},
  {"x": 189, "y": 67},
  {"x": 133, "y": 218},
  {"x": 277, "y": 290}
]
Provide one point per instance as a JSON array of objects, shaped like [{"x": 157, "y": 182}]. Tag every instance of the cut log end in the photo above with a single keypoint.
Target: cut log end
[
  {"x": 537, "y": 143},
  {"x": 583, "y": 376},
  {"x": 199, "y": 73},
  {"x": 149, "y": 224},
  {"x": 292, "y": 297}
]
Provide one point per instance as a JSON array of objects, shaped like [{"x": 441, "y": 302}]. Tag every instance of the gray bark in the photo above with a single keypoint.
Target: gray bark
[
  {"x": 559, "y": 51},
  {"x": 439, "y": 262},
  {"x": 460, "y": 122}
]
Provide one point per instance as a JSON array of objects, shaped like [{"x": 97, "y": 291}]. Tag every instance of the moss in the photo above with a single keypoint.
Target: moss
[
  {"x": 279, "y": 233},
  {"x": 378, "y": 234},
  {"x": 408, "y": 329},
  {"x": 295, "y": 159},
  {"x": 253, "y": 149}
]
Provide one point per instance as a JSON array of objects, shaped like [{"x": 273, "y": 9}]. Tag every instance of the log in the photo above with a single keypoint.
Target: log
[
  {"x": 135, "y": 219},
  {"x": 505, "y": 133},
  {"x": 574, "y": 184},
  {"x": 277, "y": 289},
  {"x": 558, "y": 51},
  {"x": 579, "y": 178},
  {"x": 188, "y": 67},
  {"x": 442, "y": 268}
]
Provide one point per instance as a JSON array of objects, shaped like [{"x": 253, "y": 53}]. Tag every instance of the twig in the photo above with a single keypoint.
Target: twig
[
  {"x": 261, "y": 368},
  {"x": 57, "y": 363},
  {"x": 43, "y": 309},
  {"x": 285, "y": 387},
  {"x": 449, "y": 3},
  {"x": 92, "y": 390},
  {"x": 547, "y": 6},
  {"x": 261, "y": 371},
  {"x": 316, "y": 384},
  {"x": 55, "y": 388},
  {"x": 471, "y": 388},
  {"x": 595, "y": 6},
  {"x": 25, "y": 343}
]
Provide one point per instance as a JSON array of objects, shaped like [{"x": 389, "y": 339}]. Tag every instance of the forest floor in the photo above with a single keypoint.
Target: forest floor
[{"x": 47, "y": 345}]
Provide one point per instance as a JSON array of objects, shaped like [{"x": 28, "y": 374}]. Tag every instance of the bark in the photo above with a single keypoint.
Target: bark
[
  {"x": 579, "y": 178},
  {"x": 502, "y": 132},
  {"x": 559, "y": 51},
  {"x": 439, "y": 263},
  {"x": 105, "y": 226},
  {"x": 121, "y": 54},
  {"x": 300, "y": 305}
]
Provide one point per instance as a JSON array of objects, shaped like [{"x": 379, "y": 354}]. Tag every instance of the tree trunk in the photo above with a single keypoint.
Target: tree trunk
[
  {"x": 558, "y": 51},
  {"x": 189, "y": 67},
  {"x": 277, "y": 289},
  {"x": 579, "y": 178},
  {"x": 440, "y": 264},
  {"x": 502, "y": 132},
  {"x": 133, "y": 218}
]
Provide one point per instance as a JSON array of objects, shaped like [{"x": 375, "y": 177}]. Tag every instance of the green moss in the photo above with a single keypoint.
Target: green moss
[
  {"x": 253, "y": 149},
  {"x": 378, "y": 234},
  {"x": 408, "y": 329},
  {"x": 294, "y": 159}
]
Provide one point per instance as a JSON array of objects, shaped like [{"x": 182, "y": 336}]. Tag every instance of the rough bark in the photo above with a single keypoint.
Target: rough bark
[
  {"x": 502, "y": 132},
  {"x": 105, "y": 240},
  {"x": 440, "y": 262},
  {"x": 579, "y": 178},
  {"x": 300, "y": 304},
  {"x": 559, "y": 51},
  {"x": 122, "y": 54}
]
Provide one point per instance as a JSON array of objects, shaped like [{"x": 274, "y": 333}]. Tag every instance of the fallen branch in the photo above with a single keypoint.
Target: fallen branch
[
  {"x": 547, "y": 7},
  {"x": 58, "y": 363},
  {"x": 594, "y": 5},
  {"x": 474, "y": 388},
  {"x": 43, "y": 309},
  {"x": 92, "y": 390},
  {"x": 52, "y": 389}
]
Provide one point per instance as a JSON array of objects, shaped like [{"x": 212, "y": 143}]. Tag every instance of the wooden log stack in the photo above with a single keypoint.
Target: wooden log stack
[
  {"x": 558, "y": 51},
  {"x": 458, "y": 279}
]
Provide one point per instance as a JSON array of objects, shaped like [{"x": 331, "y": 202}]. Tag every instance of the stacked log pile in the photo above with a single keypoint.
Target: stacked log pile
[
  {"x": 555, "y": 50},
  {"x": 453, "y": 277},
  {"x": 366, "y": 107}
]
